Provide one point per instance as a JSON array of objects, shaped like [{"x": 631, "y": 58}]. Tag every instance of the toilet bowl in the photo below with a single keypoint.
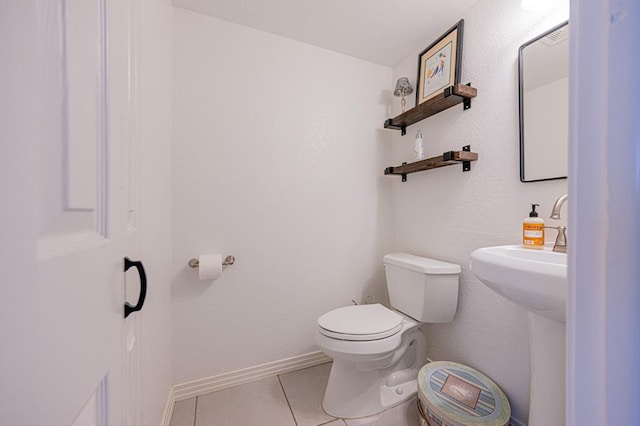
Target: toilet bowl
[
  {"x": 377, "y": 351},
  {"x": 371, "y": 371}
]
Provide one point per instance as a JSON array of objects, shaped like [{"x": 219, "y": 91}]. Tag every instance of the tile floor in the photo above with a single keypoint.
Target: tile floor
[{"x": 288, "y": 399}]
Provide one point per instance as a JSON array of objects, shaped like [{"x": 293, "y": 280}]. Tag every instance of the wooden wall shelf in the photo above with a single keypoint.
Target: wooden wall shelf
[
  {"x": 449, "y": 97},
  {"x": 446, "y": 159}
]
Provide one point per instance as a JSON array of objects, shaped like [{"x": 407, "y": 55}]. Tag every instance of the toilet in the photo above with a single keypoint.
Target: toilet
[{"x": 377, "y": 352}]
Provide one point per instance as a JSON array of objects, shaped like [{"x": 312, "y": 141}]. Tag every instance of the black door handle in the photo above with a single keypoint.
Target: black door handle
[{"x": 128, "y": 309}]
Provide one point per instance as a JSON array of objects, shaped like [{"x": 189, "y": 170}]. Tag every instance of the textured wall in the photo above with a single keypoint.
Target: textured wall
[
  {"x": 446, "y": 214},
  {"x": 277, "y": 161}
]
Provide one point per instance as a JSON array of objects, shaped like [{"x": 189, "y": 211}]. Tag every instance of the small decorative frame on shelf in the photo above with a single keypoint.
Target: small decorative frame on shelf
[
  {"x": 446, "y": 159},
  {"x": 450, "y": 96}
]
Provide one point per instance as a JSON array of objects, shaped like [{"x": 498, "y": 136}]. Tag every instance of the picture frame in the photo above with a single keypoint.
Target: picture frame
[{"x": 439, "y": 64}]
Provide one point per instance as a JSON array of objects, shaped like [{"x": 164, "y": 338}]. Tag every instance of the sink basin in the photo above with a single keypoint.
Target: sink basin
[
  {"x": 537, "y": 281},
  {"x": 533, "y": 279}
]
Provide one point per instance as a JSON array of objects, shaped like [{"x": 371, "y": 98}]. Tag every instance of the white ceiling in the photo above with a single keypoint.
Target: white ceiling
[{"x": 379, "y": 31}]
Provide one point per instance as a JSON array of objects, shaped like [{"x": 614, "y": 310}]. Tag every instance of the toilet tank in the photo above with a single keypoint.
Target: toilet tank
[{"x": 422, "y": 288}]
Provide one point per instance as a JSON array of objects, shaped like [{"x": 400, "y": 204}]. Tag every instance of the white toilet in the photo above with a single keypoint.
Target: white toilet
[{"x": 377, "y": 352}]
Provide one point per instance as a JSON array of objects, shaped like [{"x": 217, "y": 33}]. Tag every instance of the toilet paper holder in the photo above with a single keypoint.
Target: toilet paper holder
[{"x": 229, "y": 260}]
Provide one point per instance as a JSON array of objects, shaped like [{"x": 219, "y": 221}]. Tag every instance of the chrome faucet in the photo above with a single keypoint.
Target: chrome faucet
[
  {"x": 561, "y": 240},
  {"x": 555, "y": 210}
]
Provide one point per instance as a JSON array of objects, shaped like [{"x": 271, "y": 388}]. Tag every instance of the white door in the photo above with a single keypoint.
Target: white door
[{"x": 64, "y": 128}]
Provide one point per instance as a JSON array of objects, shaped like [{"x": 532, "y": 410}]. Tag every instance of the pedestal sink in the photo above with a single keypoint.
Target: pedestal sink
[{"x": 537, "y": 281}]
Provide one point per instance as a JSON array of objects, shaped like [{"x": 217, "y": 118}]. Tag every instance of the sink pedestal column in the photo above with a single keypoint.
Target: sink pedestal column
[{"x": 547, "y": 346}]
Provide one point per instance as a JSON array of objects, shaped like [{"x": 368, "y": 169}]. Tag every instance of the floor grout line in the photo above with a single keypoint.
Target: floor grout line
[
  {"x": 287, "y": 399},
  {"x": 333, "y": 420},
  {"x": 195, "y": 411}
]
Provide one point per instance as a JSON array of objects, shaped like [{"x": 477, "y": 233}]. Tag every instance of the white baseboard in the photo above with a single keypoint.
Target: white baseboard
[
  {"x": 234, "y": 378},
  {"x": 168, "y": 409}
]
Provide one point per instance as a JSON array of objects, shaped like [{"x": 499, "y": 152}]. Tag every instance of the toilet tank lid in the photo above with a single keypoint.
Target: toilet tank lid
[{"x": 421, "y": 264}]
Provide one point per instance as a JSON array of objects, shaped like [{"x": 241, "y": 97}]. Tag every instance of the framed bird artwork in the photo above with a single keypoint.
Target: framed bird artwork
[{"x": 439, "y": 64}]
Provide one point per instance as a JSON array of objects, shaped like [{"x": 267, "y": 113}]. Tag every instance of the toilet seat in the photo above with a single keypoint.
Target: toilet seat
[{"x": 360, "y": 323}]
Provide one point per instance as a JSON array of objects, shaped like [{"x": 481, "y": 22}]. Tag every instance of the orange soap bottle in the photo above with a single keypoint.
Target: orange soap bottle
[{"x": 533, "y": 230}]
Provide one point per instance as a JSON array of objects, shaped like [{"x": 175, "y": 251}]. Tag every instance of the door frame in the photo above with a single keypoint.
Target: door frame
[{"x": 603, "y": 332}]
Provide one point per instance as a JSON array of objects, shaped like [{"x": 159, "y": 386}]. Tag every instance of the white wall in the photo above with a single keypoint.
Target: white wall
[
  {"x": 277, "y": 161},
  {"x": 446, "y": 214}
]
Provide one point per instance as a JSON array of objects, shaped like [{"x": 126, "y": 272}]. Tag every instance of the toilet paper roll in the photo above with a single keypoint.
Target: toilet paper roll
[{"x": 210, "y": 266}]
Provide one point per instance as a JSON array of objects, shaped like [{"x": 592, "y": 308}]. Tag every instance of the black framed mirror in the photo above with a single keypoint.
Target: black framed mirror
[{"x": 543, "y": 66}]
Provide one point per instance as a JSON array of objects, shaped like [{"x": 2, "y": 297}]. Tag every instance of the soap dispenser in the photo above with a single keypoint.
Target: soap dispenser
[{"x": 533, "y": 230}]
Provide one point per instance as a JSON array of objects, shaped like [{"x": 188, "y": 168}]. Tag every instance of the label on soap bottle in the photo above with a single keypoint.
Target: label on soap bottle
[{"x": 533, "y": 234}]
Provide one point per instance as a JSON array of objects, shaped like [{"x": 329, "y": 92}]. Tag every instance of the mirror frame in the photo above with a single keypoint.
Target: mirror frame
[{"x": 521, "y": 101}]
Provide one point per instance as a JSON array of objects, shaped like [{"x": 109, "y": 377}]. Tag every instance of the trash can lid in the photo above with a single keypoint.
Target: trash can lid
[{"x": 461, "y": 395}]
